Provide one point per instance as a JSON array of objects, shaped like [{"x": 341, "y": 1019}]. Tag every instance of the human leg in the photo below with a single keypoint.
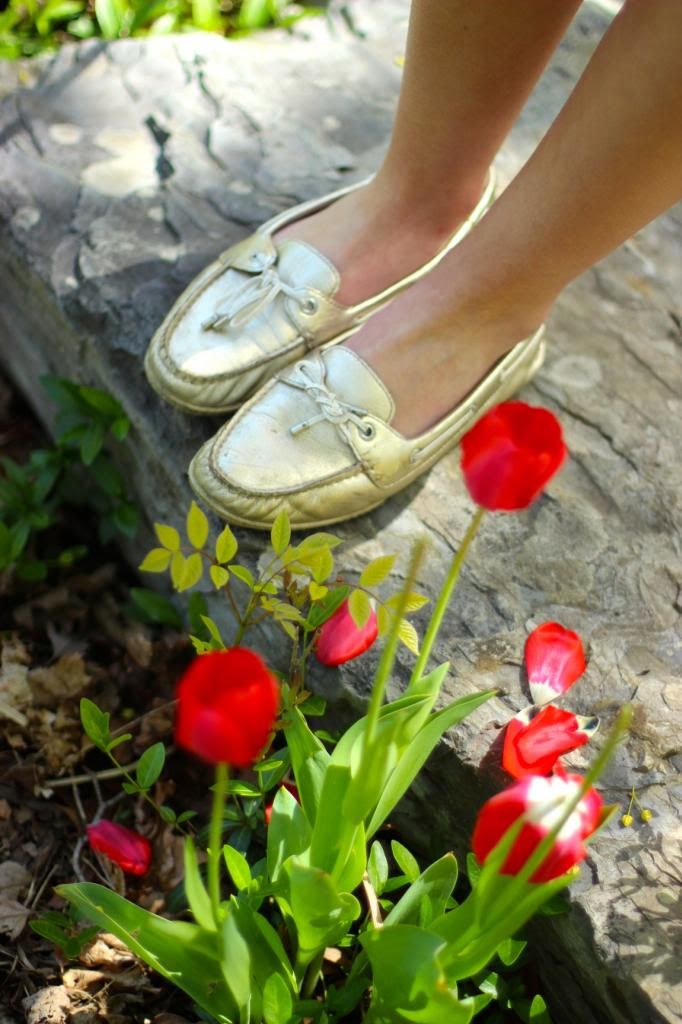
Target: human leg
[
  {"x": 469, "y": 68},
  {"x": 611, "y": 162}
]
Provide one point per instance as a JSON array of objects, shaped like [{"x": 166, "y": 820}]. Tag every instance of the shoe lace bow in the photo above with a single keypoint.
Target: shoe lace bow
[
  {"x": 332, "y": 408},
  {"x": 253, "y": 296}
]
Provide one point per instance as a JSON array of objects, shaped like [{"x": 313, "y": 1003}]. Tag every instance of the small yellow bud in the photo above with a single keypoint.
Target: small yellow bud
[
  {"x": 646, "y": 814},
  {"x": 626, "y": 820}
]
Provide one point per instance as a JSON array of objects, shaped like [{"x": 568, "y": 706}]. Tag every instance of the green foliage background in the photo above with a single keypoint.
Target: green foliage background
[{"x": 29, "y": 27}]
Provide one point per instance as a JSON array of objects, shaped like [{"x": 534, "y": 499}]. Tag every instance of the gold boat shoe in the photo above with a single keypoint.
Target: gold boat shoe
[
  {"x": 257, "y": 308},
  {"x": 317, "y": 440}
]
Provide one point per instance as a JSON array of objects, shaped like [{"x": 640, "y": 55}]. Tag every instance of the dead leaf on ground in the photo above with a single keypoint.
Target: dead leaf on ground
[
  {"x": 108, "y": 952},
  {"x": 48, "y": 1006},
  {"x": 13, "y": 915},
  {"x": 66, "y": 678},
  {"x": 15, "y": 691}
]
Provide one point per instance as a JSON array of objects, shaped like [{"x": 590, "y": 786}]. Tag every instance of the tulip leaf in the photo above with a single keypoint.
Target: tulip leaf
[
  {"x": 405, "y": 861},
  {"x": 377, "y": 868},
  {"x": 197, "y": 526},
  {"x": 288, "y": 831},
  {"x": 409, "y": 981},
  {"x": 238, "y": 866},
  {"x": 156, "y": 560},
  {"x": 426, "y": 898},
  {"x": 150, "y": 765},
  {"x": 321, "y": 914},
  {"x": 309, "y": 760},
  {"x": 195, "y": 891},
  {"x": 419, "y": 749},
  {"x": 180, "y": 951},
  {"x": 277, "y": 1001},
  {"x": 236, "y": 964}
]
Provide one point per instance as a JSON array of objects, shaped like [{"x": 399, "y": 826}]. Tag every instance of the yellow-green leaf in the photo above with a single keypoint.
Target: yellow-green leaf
[
  {"x": 169, "y": 537},
  {"x": 317, "y": 591},
  {"x": 177, "y": 569},
  {"x": 409, "y": 636},
  {"x": 280, "y": 535},
  {"x": 197, "y": 526},
  {"x": 156, "y": 560},
  {"x": 191, "y": 571},
  {"x": 288, "y": 628},
  {"x": 219, "y": 576},
  {"x": 321, "y": 565},
  {"x": 414, "y": 602},
  {"x": 384, "y": 620},
  {"x": 226, "y": 546},
  {"x": 377, "y": 571},
  {"x": 359, "y": 607}
]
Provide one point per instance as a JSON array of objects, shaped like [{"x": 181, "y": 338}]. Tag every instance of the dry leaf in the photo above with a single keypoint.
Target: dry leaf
[
  {"x": 66, "y": 678},
  {"x": 13, "y": 878},
  {"x": 15, "y": 692},
  {"x": 13, "y": 917},
  {"x": 48, "y": 1006}
]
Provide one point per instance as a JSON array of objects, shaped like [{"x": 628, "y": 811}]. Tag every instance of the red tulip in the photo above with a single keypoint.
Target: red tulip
[
  {"x": 540, "y": 802},
  {"x": 227, "y": 706},
  {"x": 340, "y": 640},
  {"x": 554, "y": 660},
  {"x": 294, "y": 792},
  {"x": 131, "y": 851},
  {"x": 510, "y": 454},
  {"x": 536, "y": 738}
]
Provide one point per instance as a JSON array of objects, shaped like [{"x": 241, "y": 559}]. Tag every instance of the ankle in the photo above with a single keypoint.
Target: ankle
[{"x": 435, "y": 211}]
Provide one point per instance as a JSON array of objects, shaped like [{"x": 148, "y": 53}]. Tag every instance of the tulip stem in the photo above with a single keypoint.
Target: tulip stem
[
  {"x": 445, "y": 594},
  {"x": 215, "y": 848}
]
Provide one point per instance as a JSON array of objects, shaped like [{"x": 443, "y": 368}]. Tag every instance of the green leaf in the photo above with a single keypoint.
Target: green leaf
[
  {"x": 253, "y": 14},
  {"x": 405, "y": 861},
  {"x": 238, "y": 866},
  {"x": 414, "y": 602},
  {"x": 169, "y": 537},
  {"x": 95, "y": 723},
  {"x": 538, "y": 1013},
  {"x": 168, "y": 815},
  {"x": 418, "y": 751},
  {"x": 288, "y": 831},
  {"x": 154, "y": 608},
  {"x": 427, "y": 897},
  {"x": 197, "y": 526},
  {"x": 377, "y": 571},
  {"x": 184, "y": 953},
  {"x": 195, "y": 890},
  {"x": 510, "y": 950},
  {"x": 360, "y": 608},
  {"x": 91, "y": 443},
  {"x": 217, "y": 641},
  {"x": 325, "y": 608},
  {"x": 377, "y": 867},
  {"x": 240, "y": 787},
  {"x": 277, "y": 1001},
  {"x": 409, "y": 636},
  {"x": 280, "y": 535},
  {"x": 322, "y": 915},
  {"x": 109, "y": 18},
  {"x": 150, "y": 765},
  {"x": 225, "y": 546},
  {"x": 156, "y": 560}
]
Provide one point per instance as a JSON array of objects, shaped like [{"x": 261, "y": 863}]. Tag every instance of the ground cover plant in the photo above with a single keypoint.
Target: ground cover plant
[
  {"x": 309, "y": 882},
  {"x": 29, "y": 27}
]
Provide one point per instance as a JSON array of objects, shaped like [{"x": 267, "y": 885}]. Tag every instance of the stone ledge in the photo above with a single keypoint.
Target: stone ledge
[{"x": 126, "y": 167}]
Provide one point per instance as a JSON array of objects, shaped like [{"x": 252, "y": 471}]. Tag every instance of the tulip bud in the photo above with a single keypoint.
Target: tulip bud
[
  {"x": 227, "y": 706},
  {"x": 539, "y": 803},
  {"x": 131, "y": 851},
  {"x": 510, "y": 454},
  {"x": 340, "y": 640}
]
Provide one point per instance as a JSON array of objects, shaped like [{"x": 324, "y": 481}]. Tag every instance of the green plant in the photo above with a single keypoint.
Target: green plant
[
  {"x": 29, "y": 27},
  {"x": 34, "y": 496}
]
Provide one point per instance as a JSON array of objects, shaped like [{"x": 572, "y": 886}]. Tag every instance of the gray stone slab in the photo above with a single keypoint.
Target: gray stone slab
[{"x": 125, "y": 167}]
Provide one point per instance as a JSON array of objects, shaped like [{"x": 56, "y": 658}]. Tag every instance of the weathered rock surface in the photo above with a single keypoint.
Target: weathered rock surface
[{"x": 124, "y": 168}]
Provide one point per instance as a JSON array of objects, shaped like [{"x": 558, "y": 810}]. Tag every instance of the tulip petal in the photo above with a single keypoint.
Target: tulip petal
[
  {"x": 130, "y": 850},
  {"x": 340, "y": 640},
  {"x": 536, "y": 738},
  {"x": 554, "y": 660}
]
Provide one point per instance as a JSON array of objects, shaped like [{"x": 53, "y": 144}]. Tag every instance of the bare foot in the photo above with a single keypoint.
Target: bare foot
[{"x": 375, "y": 237}]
